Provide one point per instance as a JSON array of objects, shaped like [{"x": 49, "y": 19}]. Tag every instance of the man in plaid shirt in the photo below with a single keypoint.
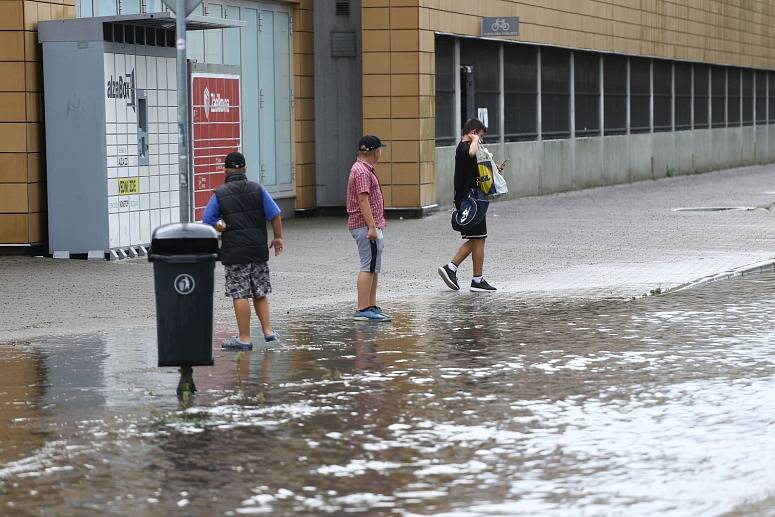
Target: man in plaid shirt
[{"x": 366, "y": 210}]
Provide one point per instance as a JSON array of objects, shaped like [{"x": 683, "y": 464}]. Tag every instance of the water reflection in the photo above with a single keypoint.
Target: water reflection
[{"x": 465, "y": 405}]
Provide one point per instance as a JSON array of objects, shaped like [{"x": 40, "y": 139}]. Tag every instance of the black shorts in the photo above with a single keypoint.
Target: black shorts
[{"x": 477, "y": 232}]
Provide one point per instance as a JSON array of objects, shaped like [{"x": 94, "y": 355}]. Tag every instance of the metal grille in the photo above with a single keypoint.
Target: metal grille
[
  {"x": 343, "y": 8},
  {"x": 733, "y": 96},
  {"x": 520, "y": 71},
  {"x": 555, "y": 93},
  {"x": 761, "y": 97},
  {"x": 683, "y": 96},
  {"x": 718, "y": 96},
  {"x": 587, "y": 90},
  {"x": 484, "y": 56},
  {"x": 747, "y": 97},
  {"x": 663, "y": 86},
  {"x": 640, "y": 95},
  {"x": 701, "y": 78},
  {"x": 615, "y": 95},
  {"x": 771, "y": 87}
]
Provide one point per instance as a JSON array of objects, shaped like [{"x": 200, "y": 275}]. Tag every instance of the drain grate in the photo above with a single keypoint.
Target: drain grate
[{"x": 713, "y": 208}]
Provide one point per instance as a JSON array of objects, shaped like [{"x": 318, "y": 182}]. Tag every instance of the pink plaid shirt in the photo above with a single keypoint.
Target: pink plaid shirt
[{"x": 364, "y": 180}]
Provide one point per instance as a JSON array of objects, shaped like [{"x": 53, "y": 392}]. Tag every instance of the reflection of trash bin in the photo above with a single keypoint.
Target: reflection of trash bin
[{"x": 183, "y": 256}]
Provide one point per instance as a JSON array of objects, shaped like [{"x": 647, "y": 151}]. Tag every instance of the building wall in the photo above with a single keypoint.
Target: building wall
[
  {"x": 399, "y": 75},
  {"x": 304, "y": 104},
  {"x": 22, "y": 174}
]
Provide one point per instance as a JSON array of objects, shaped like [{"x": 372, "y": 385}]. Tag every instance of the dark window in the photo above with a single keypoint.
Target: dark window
[
  {"x": 718, "y": 94},
  {"x": 520, "y": 71},
  {"x": 170, "y": 33},
  {"x": 150, "y": 36},
  {"x": 771, "y": 87},
  {"x": 683, "y": 96},
  {"x": 140, "y": 35},
  {"x": 445, "y": 91},
  {"x": 484, "y": 56},
  {"x": 555, "y": 93},
  {"x": 587, "y": 88},
  {"x": 733, "y": 97},
  {"x": 107, "y": 31},
  {"x": 640, "y": 95},
  {"x": 701, "y": 96},
  {"x": 129, "y": 34},
  {"x": 663, "y": 86},
  {"x": 118, "y": 33},
  {"x": 761, "y": 97},
  {"x": 747, "y": 97},
  {"x": 615, "y": 94}
]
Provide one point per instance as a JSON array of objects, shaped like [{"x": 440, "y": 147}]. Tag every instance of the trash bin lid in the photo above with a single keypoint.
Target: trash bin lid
[{"x": 184, "y": 238}]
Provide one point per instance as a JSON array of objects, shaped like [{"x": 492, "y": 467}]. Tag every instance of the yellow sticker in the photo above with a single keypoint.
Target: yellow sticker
[{"x": 127, "y": 186}]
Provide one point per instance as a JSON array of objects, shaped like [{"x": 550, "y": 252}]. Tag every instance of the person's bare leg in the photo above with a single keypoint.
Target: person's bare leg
[
  {"x": 242, "y": 312},
  {"x": 373, "y": 293},
  {"x": 365, "y": 281},
  {"x": 477, "y": 255},
  {"x": 262, "y": 311},
  {"x": 462, "y": 253}
]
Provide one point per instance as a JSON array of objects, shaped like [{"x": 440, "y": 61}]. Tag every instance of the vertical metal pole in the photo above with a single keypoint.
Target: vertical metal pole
[
  {"x": 183, "y": 146},
  {"x": 502, "y": 95},
  {"x": 458, "y": 94},
  {"x": 628, "y": 96},
  {"x": 651, "y": 95},
  {"x": 572, "y": 103},
  {"x": 602, "y": 95},
  {"x": 691, "y": 100},
  {"x": 672, "y": 96},
  {"x": 539, "y": 100}
]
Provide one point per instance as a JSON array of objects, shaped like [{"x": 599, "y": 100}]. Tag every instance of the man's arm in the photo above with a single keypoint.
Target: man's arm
[
  {"x": 212, "y": 212},
  {"x": 277, "y": 230},
  {"x": 365, "y": 206}
]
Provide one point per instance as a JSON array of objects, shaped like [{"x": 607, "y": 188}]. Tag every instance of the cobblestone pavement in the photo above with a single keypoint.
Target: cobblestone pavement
[{"x": 616, "y": 241}]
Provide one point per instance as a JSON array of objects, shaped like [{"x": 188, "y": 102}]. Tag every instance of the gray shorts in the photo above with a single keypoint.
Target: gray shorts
[
  {"x": 370, "y": 252},
  {"x": 247, "y": 280}
]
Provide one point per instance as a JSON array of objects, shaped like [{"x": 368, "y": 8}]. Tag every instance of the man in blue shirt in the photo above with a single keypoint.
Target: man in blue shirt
[{"x": 239, "y": 209}]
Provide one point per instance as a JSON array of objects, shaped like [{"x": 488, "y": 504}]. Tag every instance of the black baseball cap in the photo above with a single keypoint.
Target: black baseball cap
[
  {"x": 369, "y": 143},
  {"x": 234, "y": 161}
]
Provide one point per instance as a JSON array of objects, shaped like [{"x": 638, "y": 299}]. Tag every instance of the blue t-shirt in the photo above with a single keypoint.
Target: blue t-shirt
[{"x": 213, "y": 210}]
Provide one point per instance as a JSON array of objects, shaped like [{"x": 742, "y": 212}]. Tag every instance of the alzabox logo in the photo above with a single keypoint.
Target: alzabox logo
[
  {"x": 122, "y": 88},
  {"x": 214, "y": 103}
]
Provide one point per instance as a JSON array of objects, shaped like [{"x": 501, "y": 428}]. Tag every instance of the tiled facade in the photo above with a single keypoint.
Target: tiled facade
[
  {"x": 398, "y": 57},
  {"x": 304, "y": 104},
  {"x": 22, "y": 174}
]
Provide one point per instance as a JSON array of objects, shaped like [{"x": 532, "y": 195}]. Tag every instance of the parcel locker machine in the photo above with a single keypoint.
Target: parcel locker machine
[{"x": 110, "y": 97}]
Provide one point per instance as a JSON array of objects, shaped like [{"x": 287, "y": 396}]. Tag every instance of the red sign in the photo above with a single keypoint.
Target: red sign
[{"x": 216, "y": 132}]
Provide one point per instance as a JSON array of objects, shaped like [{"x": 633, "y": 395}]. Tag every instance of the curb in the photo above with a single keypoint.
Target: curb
[{"x": 758, "y": 267}]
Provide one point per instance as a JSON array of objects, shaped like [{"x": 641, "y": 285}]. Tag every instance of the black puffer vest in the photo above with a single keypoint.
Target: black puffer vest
[{"x": 242, "y": 209}]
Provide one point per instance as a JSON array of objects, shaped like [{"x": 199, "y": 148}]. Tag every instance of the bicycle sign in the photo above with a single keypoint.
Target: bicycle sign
[{"x": 500, "y": 26}]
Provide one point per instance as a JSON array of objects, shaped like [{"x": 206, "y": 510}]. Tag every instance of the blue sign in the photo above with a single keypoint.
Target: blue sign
[{"x": 508, "y": 26}]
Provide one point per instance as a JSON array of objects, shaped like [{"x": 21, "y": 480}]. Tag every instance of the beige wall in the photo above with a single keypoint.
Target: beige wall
[
  {"x": 22, "y": 183},
  {"x": 735, "y": 32},
  {"x": 398, "y": 53}
]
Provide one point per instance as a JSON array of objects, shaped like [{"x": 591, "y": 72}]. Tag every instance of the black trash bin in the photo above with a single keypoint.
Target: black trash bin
[{"x": 183, "y": 256}]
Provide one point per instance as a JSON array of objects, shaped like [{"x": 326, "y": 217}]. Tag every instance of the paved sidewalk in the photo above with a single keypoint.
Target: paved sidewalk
[{"x": 615, "y": 241}]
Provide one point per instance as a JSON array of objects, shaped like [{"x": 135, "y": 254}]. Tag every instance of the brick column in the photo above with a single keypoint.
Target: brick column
[
  {"x": 22, "y": 174},
  {"x": 398, "y": 98},
  {"x": 304, "y": 104}
]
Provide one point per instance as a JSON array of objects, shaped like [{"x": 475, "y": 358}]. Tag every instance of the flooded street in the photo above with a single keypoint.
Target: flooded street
[{"x": 464, "y": 405}]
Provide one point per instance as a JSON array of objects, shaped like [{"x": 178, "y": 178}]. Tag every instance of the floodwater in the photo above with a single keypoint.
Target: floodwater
[{"x": 464, "y": 405}]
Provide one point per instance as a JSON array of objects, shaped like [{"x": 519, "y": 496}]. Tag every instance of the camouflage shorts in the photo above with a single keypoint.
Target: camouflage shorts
[{"x": 248, "y": 280}]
